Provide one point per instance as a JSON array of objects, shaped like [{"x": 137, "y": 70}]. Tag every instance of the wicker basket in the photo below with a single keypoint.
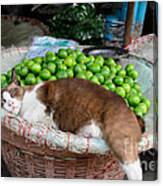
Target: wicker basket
[{"x": 24, "y": 158}]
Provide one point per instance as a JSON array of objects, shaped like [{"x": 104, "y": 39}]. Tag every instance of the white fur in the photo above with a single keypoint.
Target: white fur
[
  {"x": 133, "y": 170},
  {"x": 12, "y": 105},
  {"x": 90, "y": 130},
  {"x": 34, "y": 111}
]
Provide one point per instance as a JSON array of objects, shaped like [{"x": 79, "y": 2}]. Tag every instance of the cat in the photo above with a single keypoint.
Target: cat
[{"x": 84, "y": 108}]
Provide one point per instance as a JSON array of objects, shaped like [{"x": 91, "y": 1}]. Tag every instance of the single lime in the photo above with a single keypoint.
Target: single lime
[
  {"x": 70, "y": 73},
  {"x": 30, "y": 79},
  {"x": 62, "y": 67},
  {"x": 95, "y": 80},
  {"x": 62, "y": 53},
  {"x": 69, "y": 61},
  {"x": 51, "y": 67},
  {"x": 133, "y": 74},
  {"x": 134, "y": 100},
  {"x": 95, "y": 68},
  {"x": 111, "y": 86},
  {"x": 45, "y": 74},
  {"x": 100, "y": 77},
  {"x": 81, "y": 75},
  {"x": 129, "y": 67},
  {"x": 118, "y": 80},
  {"x": 121, "y": 73},
  {"x": 129, "y": 80},
  {"x": 110, "y": 62},
  {"x": 105, "y": 71},
  {"x": 136, "y": 86},
  {"x": 146, "y": 101},
  {"x": 120, "y": 91},
  {"x": 82, "y": 59},
  {"x": 61, "y": 74},
  {"x": 35, "y": 68},
  {"x": 38, "y": 80},
  {"x": 127, "y": 87},
  {"x": 53, "y": 78},
  {"x": 99, "y": 60},
  {"x": 38, "y": 60},
  {"x": 88, "y": 74},
  {"x": 24, "y": 72}
]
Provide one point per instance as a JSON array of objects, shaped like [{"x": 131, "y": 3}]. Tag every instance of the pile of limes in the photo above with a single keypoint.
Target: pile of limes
[{"x": 68, "y": 63}]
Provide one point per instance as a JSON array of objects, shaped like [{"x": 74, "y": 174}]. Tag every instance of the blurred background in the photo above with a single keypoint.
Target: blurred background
[{"x": 99, "y": 24}]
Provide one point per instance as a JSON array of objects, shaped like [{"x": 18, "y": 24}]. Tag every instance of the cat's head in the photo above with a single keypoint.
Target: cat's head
[{"x": 12, "y": 95}]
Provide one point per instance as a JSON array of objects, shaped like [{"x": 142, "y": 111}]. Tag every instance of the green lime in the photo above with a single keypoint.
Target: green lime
[
  {"x": 120, "y": 91},
  {"x": 35, "y": 68},
  {"x": 69, "y": 51},
  {"x": 88, "y": 74},
  {"x": 105, "y": 71},
  {"x": 110, "y": 62},
  {"x": 73, "y": 55},
  {"x": 53, "y": 78},
  {"x": 38, "y": 80},
  {"x": 105, "y": 86},
  {"x": 118, "y": 80},
  {"x": 62, "y": 67},
  {"x": 79, "y": 68},
  {"x": 81, "y": 75},
  {"x": 138, "y": 112},
  {"x": 134, "y": 100},
  {"x": 146, "y": 101},
  {"x": 49, "y": 54},
  {"x": 58, "y": 61},
  {"x": 136, "y": 86},
  {"x": 118, "y": 67},
  {"x": 25, "y": 61},
  {"x": 61, "y": 74},
  {"x": 82, "y": 59},
  {"x": 69, "y": 61},
  {"x": 62, "y": 53},
  {"x": 45, "y": 74},
  {"x": 9, "y": 75},
  {"x": 91, "y": 58},
  {"x": 99, "y": 60},
  {"x": 133, "y": 91},
  {"x": 129, "y": 67},
  {"x": 78, "y": 51},
  {"x": 133, "y": 73},
  {"x": 129, "y": 80},
  {"x": 95, "y": 80},
  {"x": 95, "y": 68},
  {"x": 30, "y": 64},
  {"x": 113, "y": 69},
  {"x": 30, "y": 79},
  {"x": 17, "y": 70},
  {"x": 70, "y": 73},
  {"x": 100, "y": 77},
  {"x": 51, "y": 67},
  {"x": 89, "y": 64},
  {"x": 22, "y": 83},
  {"x": 3, "y": 78},
  {"x": 111, "y": 86},
  {"x": 127, "y": 87},
  {"x": 122, "y": 73},
  {"x": 143, "y": 107},
  {"x": 38, "y": 60},
  {"x": 4, "y": 84},
  {"x": 24, "y": 72}
]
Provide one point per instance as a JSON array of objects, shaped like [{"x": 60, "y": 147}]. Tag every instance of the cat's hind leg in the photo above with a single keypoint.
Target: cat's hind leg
[{"x": 126, "y": 150}]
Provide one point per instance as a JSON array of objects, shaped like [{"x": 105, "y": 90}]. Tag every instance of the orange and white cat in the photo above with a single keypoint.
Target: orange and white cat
[{"x": 81, "y": 107}]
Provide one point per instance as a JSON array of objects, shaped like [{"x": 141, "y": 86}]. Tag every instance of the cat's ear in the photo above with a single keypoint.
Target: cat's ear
[{"x": 14, "y": 77}]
